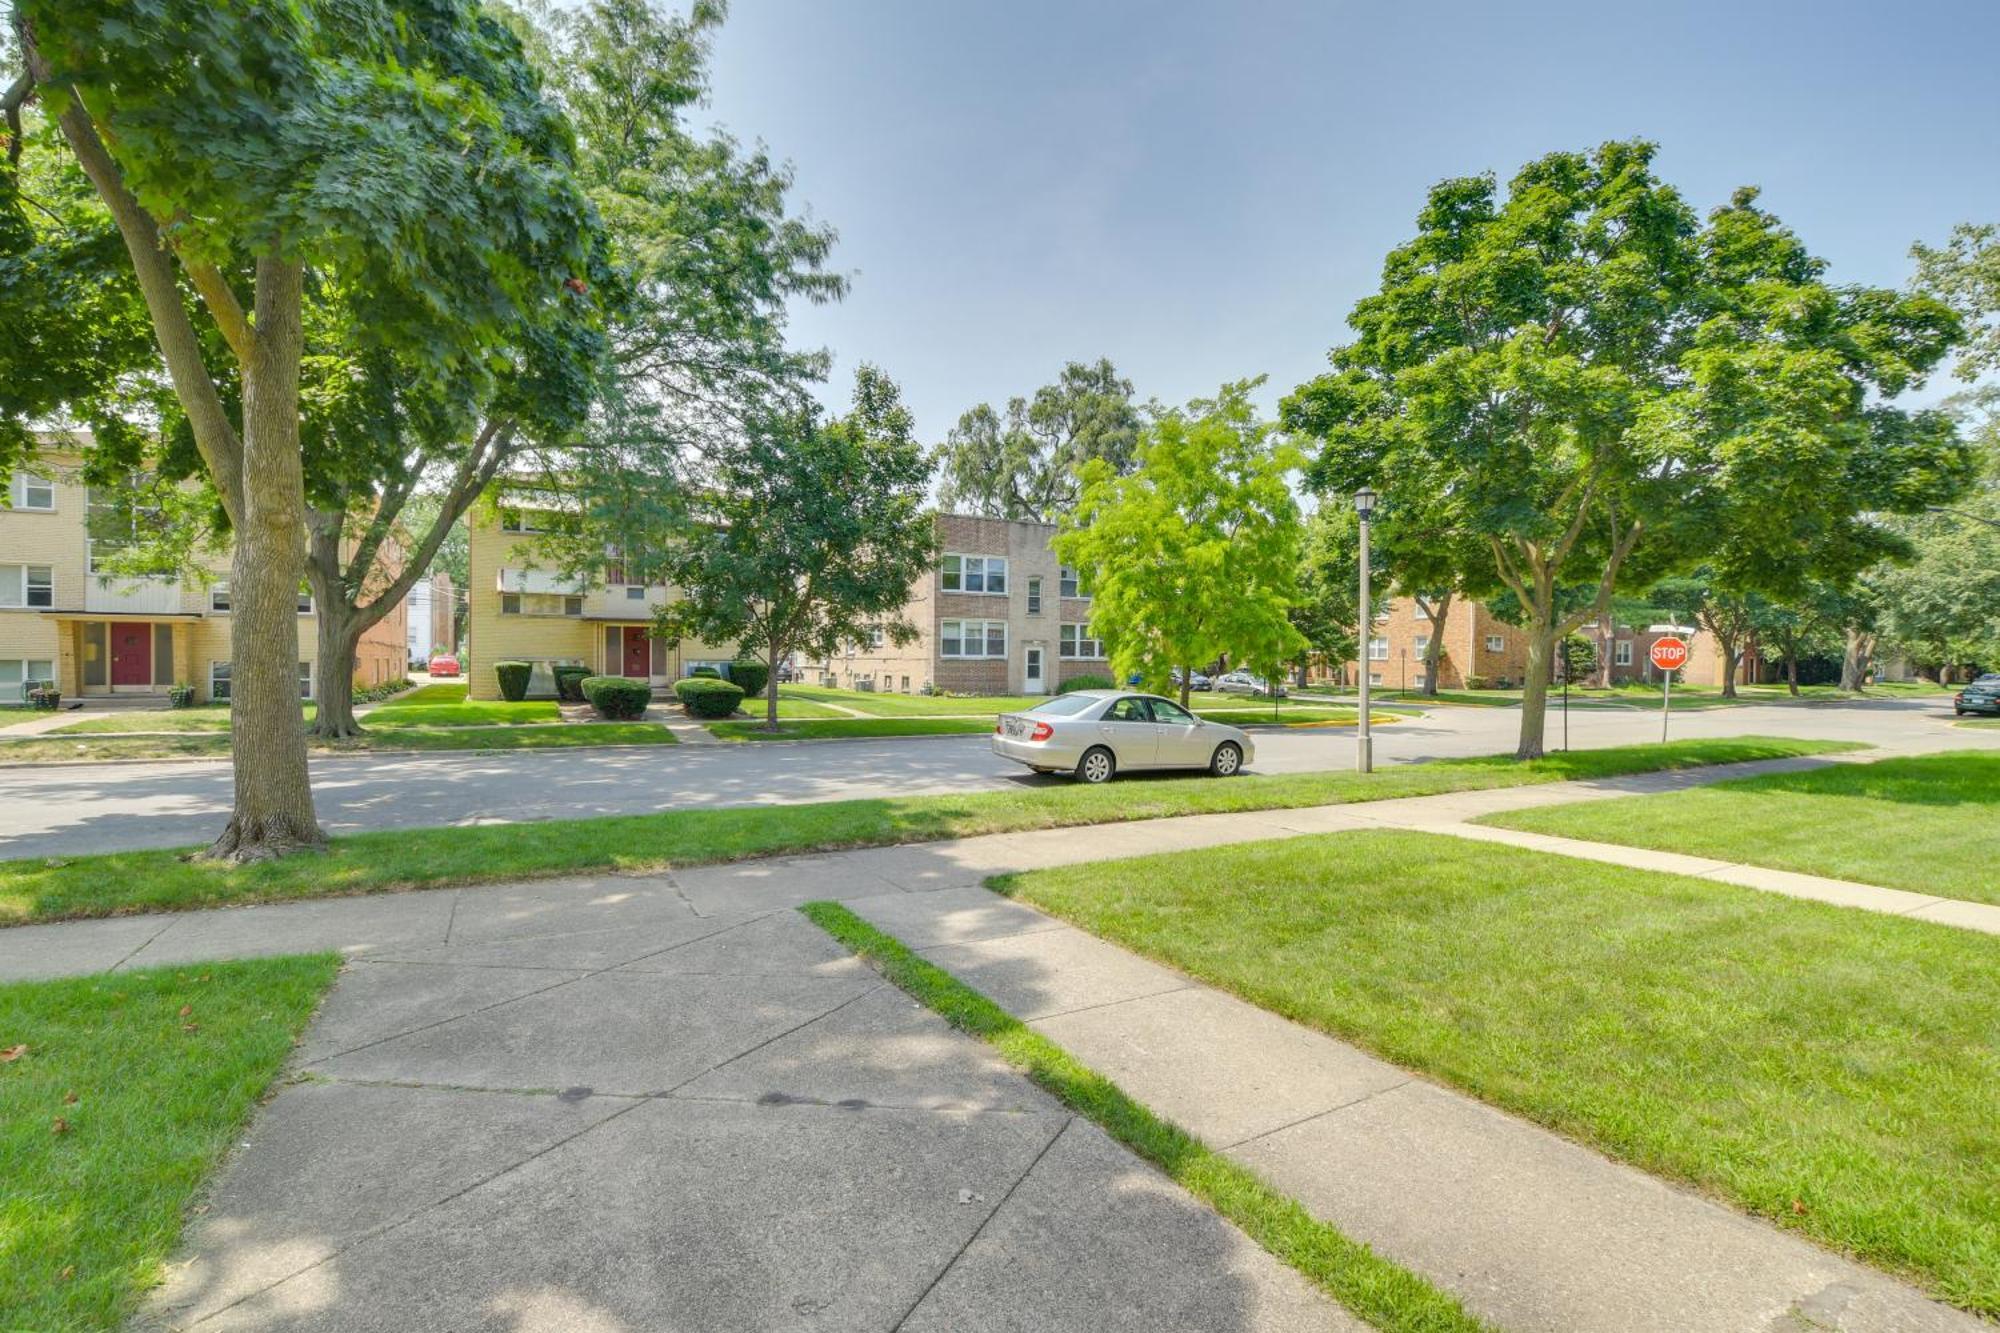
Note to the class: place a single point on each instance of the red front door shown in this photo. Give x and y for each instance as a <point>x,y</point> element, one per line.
<point>638,652</point>
<point>131,653</point>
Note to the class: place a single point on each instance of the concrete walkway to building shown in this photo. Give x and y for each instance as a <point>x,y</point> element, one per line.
<point>510,1082</point>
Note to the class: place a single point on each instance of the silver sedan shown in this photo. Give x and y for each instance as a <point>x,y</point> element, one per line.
<point>1096,733</point>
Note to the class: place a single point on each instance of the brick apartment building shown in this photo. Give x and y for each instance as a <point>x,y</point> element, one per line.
<point>1482,651</point>
<point>65,617</point>
<point>1000,614</point>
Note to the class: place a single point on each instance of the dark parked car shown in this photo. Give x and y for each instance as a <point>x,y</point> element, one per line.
<point>1981,696</point>
<point>1197,682</point>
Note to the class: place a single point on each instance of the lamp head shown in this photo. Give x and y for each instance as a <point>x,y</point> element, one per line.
<point>1364,501</point>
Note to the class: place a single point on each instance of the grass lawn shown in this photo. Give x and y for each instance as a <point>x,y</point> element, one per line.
<point>1294,716</point>
<point>851,728</point>
<point>788,708</point>
<point>911,705</point>
<point>202,717</point>
<point>42,750</point>
<point>448,707</point>
<point>1929,823</point>
<point>129,1092</point>
<point>1832,1071</point>
<point>1376,695</point>
<point>37,889</point>
<point>1383,1293</point>
<point>406,712</point>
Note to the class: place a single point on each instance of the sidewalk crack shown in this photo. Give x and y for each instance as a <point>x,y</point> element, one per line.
<point>984,1222</point>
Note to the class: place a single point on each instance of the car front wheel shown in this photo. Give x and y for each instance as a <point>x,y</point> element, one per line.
<point>1096,766</point>
<point>1227,760</point>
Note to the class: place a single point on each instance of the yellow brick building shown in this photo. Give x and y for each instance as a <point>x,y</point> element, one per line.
<point>102,635</point>
<point>516,612</point>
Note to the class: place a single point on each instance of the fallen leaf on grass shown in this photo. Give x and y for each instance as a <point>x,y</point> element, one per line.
<point>69,1099</point>
<point>1799,1207</point>
<point>13,1053</point>
<point>186,1009</point>
<point>61,1126</point>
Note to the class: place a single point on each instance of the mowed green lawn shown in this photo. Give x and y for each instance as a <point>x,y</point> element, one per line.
<point>439,705</point>
<point>1929,823</point>
<point>910,705</point>
<point>851,728</point>
<point>53,888</point>
<point>126,1090</point>
<point>201,718</point>
<point>1835,1072</point>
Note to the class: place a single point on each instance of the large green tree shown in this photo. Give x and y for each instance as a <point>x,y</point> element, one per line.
<point>1583,379</point>
<point>702,259</point>
<point>1964,272</point>
<point>254,152</point>
<point>1196,554</point>
<point>1024,464</point>
<point>810,536</point>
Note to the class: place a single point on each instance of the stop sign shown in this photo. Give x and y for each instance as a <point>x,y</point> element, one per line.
<point>1669,654</point>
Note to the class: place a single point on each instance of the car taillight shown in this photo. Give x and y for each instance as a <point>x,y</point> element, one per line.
<point>999,728</point>
<point>1041,732</point>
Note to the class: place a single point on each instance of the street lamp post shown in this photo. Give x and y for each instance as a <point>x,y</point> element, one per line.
<point>1364,744</point>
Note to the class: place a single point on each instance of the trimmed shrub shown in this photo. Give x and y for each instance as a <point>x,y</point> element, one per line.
<point>706,697</point>
<point>513,679</point>
<point>706,673</point>
<point>180,695</point>
<point>616,697</point>
<point>1086,682</point>
<point>751,674</point>
<point>569,682</point>
<point>46,698</point>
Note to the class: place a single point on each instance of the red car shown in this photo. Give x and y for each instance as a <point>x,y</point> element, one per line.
<point>444,664</point>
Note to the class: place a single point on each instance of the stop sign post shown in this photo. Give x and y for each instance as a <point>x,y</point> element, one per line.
<point>1669,655</point>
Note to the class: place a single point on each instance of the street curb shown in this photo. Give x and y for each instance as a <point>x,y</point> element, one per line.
<point>335,754</point>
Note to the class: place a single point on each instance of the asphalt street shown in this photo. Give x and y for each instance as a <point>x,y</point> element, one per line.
<point>53,810</point>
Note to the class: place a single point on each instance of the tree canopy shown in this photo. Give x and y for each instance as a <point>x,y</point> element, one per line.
<point>811,535</point>
<point>1194,555</point>
<point>1024,465</point>
<point>1583,379</point>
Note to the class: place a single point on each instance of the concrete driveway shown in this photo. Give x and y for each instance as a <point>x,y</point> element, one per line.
<point>70,809</point>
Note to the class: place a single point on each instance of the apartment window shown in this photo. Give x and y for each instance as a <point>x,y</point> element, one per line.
<point>1378,649</point>
<point>218,597</point>
<point>974,573</point>
<point>1034,597</point>
<point>1072,583</point>
<point>305,601</point>
<point>1076,642</point>
<point>972,638</point>
<point>1374,678</point>
<point>906,684</point>
<point>572,606</point>
<point>115,519</point>
<point>218,681</point>
<point>16,672</point>
<point>305,680</point>
<point>635,592</point>
<point>1418,611</point>
<point>510,603</point>
<point>1621,653</point>
<point>875,636</point>
<point>1420,645</point>
<point>520,520</point>
<point>27,585</point>
<point>28,491</point>
<point>1496,643</point>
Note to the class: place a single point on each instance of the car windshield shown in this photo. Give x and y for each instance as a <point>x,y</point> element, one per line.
<point>1064,705</point>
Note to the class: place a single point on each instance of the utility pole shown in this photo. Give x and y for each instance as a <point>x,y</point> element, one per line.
<point>1364,744</point>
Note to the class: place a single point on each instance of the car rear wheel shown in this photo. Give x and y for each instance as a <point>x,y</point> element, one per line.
<point>1227,761</point>
<point>1096,766</point>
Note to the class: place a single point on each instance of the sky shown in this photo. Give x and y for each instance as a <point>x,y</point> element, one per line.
<point>1201,191</point>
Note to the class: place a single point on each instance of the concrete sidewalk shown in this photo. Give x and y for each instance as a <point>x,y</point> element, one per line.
<point>527,1121</point>
<point>1530,1230</point>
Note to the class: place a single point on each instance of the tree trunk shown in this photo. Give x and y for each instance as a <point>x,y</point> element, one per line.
<point>1187,684</point>
<point>1731,653</point>
<point>1434,649</point>
<point>771,687</point>
<point>1792,669</point>
<point>1854,660</point>
<point>274,805</point>
<point>1535,688</point>
<point>338,643</point>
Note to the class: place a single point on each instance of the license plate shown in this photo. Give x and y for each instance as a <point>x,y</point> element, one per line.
<point>1016,728</point>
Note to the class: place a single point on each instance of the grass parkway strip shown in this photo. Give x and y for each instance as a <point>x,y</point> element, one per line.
<point>60,888</point>
<point>1929,823</point>
<point>118,1095</point>
<point>1383,1293</point>
<point>1829,1070</point>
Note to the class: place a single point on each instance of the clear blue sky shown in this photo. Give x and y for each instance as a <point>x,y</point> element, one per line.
<point>1201,191</point>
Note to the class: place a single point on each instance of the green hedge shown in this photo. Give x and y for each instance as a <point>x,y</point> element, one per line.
<point>617,697</point>
<point>1086,682</point>
<point>704,696</point>
<point>513,679</point>
<point>569,682</point>
<point>751,674</point>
